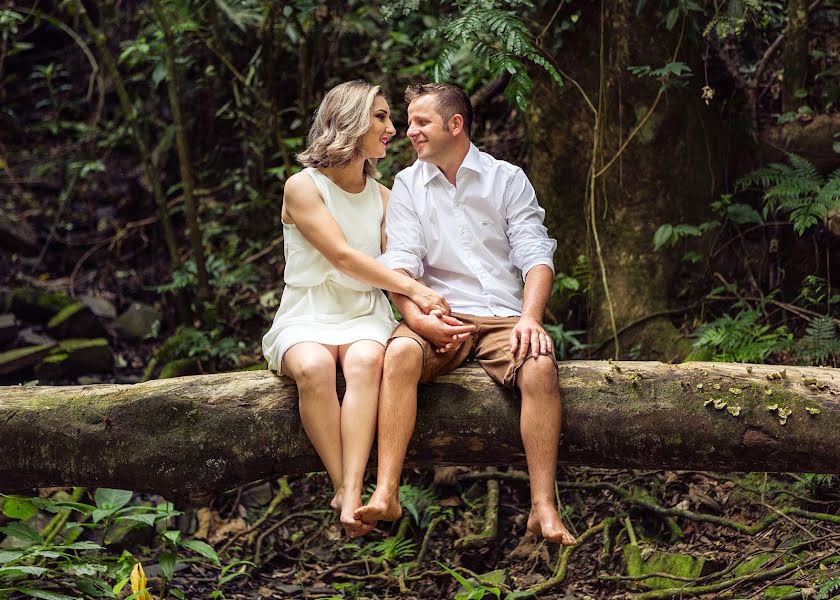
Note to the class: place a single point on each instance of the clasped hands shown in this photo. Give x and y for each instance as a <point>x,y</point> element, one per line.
<point>446,333</point>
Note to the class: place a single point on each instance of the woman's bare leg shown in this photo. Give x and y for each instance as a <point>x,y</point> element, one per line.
<point>361,363</point>
<point>312,366</point>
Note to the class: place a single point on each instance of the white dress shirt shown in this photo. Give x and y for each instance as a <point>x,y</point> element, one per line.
<point>474,242</point>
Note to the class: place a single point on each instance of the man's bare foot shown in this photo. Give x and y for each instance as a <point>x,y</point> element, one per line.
<point>545,521</point>
<point>382,506</point>
<point>353,527</point>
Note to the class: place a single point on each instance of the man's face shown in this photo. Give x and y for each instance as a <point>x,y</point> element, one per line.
<point>425,129</point>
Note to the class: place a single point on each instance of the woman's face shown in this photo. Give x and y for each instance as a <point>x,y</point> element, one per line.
<point>375,141</point>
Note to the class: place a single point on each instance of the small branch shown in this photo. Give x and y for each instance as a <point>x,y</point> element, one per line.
<point>491,521</point>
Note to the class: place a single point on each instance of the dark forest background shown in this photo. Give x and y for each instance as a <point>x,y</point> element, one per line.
<point>688,157</point>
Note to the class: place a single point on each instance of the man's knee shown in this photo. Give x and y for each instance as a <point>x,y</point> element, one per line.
<point>537,374</point>
<point>403,358</point>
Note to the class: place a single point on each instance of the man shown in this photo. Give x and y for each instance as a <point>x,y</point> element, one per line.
<point>470,226</point>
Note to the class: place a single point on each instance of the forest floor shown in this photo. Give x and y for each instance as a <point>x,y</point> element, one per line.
<point>719,536</point>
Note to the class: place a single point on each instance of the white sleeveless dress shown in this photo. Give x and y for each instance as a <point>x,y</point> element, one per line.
<point>320,303</point>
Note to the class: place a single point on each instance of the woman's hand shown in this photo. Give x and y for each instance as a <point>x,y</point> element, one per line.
<point>429,300</point>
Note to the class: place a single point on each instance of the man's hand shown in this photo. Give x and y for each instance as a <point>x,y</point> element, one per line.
<point>529,337</point>
<point>444,332</point>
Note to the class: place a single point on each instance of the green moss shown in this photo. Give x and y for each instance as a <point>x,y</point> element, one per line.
<point>178,368</point>
<point>779,591</point>
<point>48,301</point>
<point>752,565</point>
<point>680,565</point>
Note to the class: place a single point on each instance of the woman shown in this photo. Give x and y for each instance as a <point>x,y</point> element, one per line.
<point>333,310</point>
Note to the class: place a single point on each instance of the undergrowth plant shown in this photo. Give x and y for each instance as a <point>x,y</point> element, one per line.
<point>739,338</point>
<point>44,557</point>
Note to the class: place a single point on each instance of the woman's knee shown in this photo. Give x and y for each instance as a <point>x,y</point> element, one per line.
<point>364,362</point>
<point>311,369</point>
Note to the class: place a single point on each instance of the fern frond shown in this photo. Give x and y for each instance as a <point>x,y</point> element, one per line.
<point>829,589</point>
<point>820,343</point>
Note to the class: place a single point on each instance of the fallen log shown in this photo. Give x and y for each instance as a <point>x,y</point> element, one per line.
<point>190,437</point>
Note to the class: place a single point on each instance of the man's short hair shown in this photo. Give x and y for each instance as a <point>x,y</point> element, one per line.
<point>451,101</point>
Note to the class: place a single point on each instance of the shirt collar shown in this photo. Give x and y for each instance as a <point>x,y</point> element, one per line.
<point>472,161</point>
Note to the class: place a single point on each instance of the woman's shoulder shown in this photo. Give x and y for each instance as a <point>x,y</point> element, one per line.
<point>301,186</point>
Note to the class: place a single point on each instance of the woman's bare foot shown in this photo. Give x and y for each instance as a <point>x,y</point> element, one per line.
<point>382,506</point>
<point>337,501</point>
<point>353,527</point>
<point>545,521</point>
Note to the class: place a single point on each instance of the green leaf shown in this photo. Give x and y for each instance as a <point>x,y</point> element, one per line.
<point>23,570</point>
<point>82,546</point>
<point>109,499</point>
<point>173,535</point>
<point>177,593</point>
<point>16,507</point>
<point>44,595</point>
<point>10,555</point>
<point>158,74</point>
<point>743,214</point>
<point>22,531</point>
<point>662,236</point>
<point>203,549</point>
<point>148,519</point>
<point>167,565</point>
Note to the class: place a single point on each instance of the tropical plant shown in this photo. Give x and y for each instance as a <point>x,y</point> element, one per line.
<point>739,338</point>
<point>796,190</point>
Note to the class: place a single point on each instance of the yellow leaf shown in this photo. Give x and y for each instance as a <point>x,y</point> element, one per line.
<point>2,163</point>
<point>138,583</point>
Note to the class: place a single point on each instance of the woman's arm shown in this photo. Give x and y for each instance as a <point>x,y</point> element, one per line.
<point>305,208</point>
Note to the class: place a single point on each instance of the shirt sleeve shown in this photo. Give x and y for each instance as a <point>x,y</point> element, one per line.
<point>406,245</point>
<point>529,241</point>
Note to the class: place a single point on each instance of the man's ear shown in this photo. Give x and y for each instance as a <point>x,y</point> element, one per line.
<point>456,124</point>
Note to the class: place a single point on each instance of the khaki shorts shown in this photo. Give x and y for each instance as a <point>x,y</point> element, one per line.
<point>489,346</point>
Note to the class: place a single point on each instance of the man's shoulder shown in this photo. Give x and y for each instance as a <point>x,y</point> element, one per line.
<point>410,172</point>
<point>491,164</point>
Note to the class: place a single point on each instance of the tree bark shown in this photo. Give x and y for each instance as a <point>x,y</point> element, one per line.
<point>642,189</point>
<point>189,437</point>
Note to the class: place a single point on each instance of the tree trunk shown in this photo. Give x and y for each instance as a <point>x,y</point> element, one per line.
<point>795,54</point>
<point>192,436</point>
<point>174,85</point>
<point>668,173</point>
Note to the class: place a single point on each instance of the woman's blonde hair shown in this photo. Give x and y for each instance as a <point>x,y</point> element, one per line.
<point>341,120</point>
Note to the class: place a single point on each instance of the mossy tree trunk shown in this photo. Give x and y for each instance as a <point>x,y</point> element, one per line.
<point>795,54</point>
<point>668,173</point>
<point>192,436</point>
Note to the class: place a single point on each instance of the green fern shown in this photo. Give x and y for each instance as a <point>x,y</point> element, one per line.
<point>820,344</point>
<point>390,549</point>
<point>421,503</point>
<point>796,189</point>
<point>738,339</point>
<point>483,32</point>
<point>829,589</point>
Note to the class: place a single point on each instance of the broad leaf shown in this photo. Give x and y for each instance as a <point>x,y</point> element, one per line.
<point>203,549</point>
<point>22,531</point>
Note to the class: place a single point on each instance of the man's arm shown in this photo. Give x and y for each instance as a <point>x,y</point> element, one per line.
<point>532,252</point>
<point>443,331</point>
<point>529,335</point>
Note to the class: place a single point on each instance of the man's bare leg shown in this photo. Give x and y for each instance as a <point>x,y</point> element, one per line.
<point>312,366</point>
<point>361,363</point>
<point>539,425</point>
<point>397,415</point>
